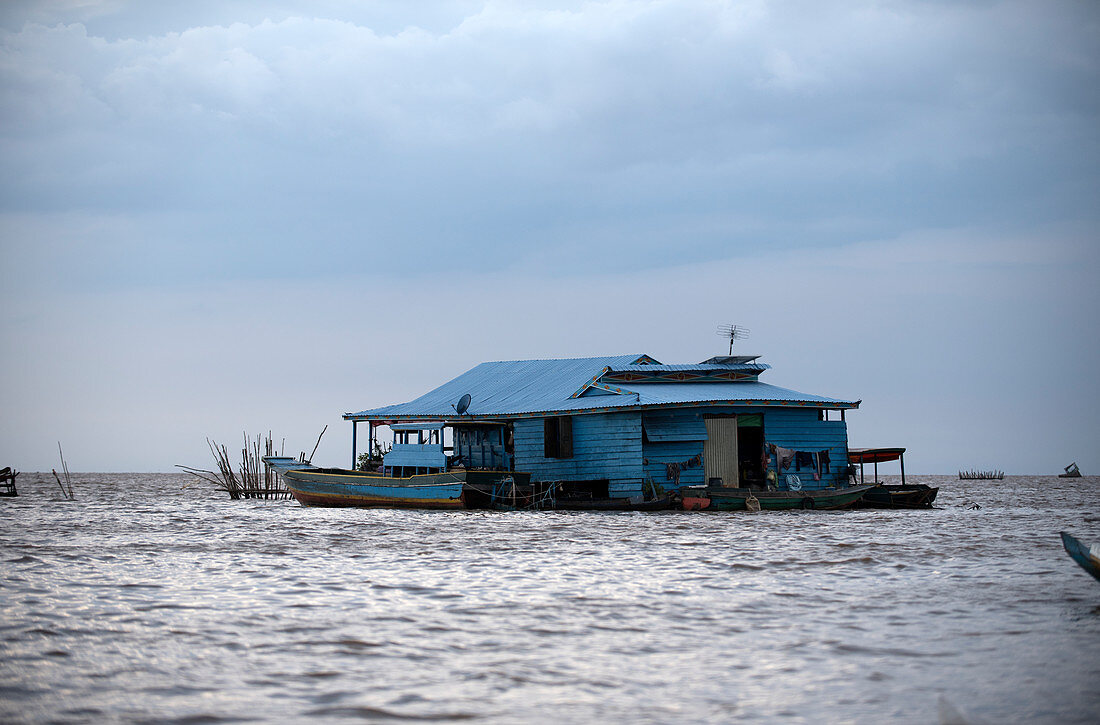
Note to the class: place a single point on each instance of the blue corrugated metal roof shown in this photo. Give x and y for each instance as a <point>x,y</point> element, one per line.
<point>512,386</point>
<point>518,387</point>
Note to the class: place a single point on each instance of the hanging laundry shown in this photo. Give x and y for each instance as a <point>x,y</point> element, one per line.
<point>803,458</point>
<point>784,457</point>
<point>816,465</point>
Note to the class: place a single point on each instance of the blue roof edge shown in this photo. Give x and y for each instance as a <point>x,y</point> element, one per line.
<point>378,414</point>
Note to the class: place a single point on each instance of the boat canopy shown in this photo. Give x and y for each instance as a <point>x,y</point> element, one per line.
<point>874,455</point>
<point>426,425</point>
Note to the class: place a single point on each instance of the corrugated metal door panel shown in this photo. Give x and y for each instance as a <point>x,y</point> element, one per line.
<point>720,451</point>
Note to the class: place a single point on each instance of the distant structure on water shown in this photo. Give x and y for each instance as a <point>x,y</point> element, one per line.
<point>981,475</point>
<point>1071,471</point>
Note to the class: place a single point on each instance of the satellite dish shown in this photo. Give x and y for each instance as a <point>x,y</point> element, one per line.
<point>463,404</point>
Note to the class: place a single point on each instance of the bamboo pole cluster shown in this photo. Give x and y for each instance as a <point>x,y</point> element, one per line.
<point>252,479</point>
<point>67,486</point>
<point>982,475</point>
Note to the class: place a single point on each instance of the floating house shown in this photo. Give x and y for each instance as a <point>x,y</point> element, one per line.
<point>615,427</point>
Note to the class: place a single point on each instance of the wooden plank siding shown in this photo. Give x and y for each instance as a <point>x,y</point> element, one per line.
<point>605,446</point>
<point>658,454</point>
<point>802,431</point>
<point>610,446</point>
<point>795,428</point>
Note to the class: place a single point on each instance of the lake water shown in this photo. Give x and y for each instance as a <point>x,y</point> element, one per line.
<point>152,598</point>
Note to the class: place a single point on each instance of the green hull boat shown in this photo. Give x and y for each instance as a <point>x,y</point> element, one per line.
<point>705,498</point>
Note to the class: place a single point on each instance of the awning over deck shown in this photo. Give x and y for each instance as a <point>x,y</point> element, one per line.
<point>874,455</point>
<point>426,425</point>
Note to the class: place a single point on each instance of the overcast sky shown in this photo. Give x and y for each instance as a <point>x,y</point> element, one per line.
<point>219,217</point>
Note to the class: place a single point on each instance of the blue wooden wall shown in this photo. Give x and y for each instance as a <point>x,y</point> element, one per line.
<point>609,446</point>
<point>658,455</point>
<point>799,429</point>
<point>605,446</point>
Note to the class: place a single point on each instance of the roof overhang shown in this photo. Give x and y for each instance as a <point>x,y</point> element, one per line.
<point>595,410</point>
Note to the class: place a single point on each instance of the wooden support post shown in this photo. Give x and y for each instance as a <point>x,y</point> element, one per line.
<point>354,442</point>
<point>901,457</point>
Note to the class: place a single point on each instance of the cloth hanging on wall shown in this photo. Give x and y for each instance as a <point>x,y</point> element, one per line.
<point>803,458</point>
<point>784,457</point>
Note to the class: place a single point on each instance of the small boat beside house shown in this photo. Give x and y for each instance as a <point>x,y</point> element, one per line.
<point>623,432</point>
<point>890,495</point>
<point>718,498</point>
<point>313,486</point>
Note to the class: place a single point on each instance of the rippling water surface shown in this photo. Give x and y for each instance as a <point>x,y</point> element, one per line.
<point>152,599</point>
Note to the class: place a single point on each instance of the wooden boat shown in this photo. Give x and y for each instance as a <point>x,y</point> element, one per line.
<point>899,496</point>
<point>313,486</point>
<point>1071,471</point>
<point>890,496</point>
<point>7,481</point>
<point>1087,557</point>
<point>548,496</point>
<point>717,498</point>
<point>634,503</point>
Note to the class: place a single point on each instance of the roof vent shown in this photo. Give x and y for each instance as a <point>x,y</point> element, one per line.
<point>730,360</point>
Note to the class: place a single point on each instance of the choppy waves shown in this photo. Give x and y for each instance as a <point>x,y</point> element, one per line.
<point>147,600</point>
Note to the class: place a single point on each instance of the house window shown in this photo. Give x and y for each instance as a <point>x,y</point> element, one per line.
<point>557,437</point>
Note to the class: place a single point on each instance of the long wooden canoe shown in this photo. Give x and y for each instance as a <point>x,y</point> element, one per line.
<point>712,498</point>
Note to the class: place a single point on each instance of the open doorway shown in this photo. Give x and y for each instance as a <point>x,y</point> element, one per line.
<point>750,450</point>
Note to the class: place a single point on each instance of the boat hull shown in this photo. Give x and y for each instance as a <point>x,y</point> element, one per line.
<point>1082,555</point>
<point>660,503</point>
<point>896,496</point>
<point>734,499</point>
<point>352,489</point>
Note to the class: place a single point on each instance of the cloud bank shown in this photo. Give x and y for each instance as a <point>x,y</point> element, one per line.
<point>202,202</point>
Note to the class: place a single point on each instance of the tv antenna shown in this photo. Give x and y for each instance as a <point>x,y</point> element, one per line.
<point>733,332</point>
<point>463,404</point>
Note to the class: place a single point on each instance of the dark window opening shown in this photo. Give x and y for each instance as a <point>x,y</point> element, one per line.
<point>557,437</point>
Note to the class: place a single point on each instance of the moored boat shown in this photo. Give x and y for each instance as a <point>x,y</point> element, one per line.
<point>889,495</point>
<point>634,503</point>
<point>1088,558</point>
<point>716,498</point>
<point>899,496</point>
<point>454,489</point>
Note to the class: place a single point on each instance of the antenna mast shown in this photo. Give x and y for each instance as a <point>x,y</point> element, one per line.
<point>733,332</point>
